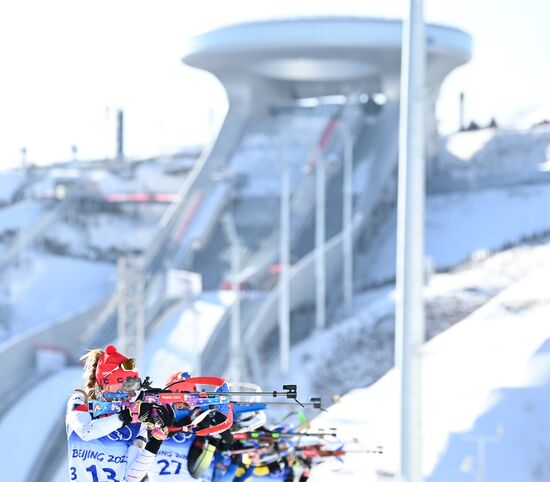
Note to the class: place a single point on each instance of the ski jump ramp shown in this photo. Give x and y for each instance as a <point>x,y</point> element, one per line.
<point>269,63</point>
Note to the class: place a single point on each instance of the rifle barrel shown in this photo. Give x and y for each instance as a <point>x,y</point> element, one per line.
<point>305,404</point>
<point>273,393</point>
<point>276,435</point>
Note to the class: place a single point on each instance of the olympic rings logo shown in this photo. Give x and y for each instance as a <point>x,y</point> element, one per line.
<point>122,434</point>
<point>182,437</point>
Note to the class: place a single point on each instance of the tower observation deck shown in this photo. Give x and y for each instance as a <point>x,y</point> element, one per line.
<point>307,57</point>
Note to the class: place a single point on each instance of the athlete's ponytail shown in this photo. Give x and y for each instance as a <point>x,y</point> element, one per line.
<point>91,360</point>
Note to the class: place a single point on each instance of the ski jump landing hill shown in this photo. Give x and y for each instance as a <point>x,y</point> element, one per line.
<point>278,62</point>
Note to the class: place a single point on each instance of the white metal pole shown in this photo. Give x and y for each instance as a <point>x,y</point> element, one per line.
<point>347,218</point>
<point>19,237</point>
<point>24,164</point>
<point>131,314</point>
<point>236,347</point>
<point>122,280</point>
<point>107,133</point>
<point>235,362</point>
<point>190,305</point>
<point>320,273</point>
<point>284,278</point>
<point>140,308</point>
<point>236,310</point>
<point>409,333</point>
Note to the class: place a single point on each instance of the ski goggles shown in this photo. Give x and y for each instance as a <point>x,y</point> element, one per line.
<point>122,390</point>
<point>128,365</point>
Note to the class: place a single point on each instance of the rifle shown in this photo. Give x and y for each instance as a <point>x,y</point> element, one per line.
<point>186,401</point>
<point>191,400</point>
<point>178,401</point>
<point>276,436</point>
<point>313,451</point>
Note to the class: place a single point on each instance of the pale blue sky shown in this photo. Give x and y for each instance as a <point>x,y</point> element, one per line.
<point>65,61</point>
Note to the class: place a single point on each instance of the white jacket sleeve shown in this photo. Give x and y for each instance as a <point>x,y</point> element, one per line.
<point>79,420</point>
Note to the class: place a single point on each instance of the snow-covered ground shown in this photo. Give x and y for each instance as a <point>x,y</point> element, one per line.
<point>461,224</point>
<point>489,157</point>
<point>17,217</point>
<point>31,421</point>
<point>487,366</point>
<point>10,183</point>
<point>501,149</point>
<point>72,264</point>
<point>486,378</point>
<point>130,178</point>
<point>105,236</point>
<point>487,317</point>
<point>44,289</point>
<point>449,298</point>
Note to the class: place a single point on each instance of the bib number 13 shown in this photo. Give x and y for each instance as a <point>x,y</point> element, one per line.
<point>111,474</point>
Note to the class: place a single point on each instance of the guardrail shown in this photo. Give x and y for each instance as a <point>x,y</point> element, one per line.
<point>18,355</point>
<point>383,161</point>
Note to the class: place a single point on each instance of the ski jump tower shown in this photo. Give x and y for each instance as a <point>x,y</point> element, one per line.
<point>261,63</point>
<point>269,63</point>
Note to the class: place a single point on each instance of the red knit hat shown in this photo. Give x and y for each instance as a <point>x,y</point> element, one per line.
<point>112,369</point>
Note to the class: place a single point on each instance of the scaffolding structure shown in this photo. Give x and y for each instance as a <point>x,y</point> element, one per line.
<point>131,309</point>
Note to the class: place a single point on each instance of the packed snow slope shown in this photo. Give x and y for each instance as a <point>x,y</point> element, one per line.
<point>487,378</point>
<point>43,289</point>
<point>487,362</point>
<point>459,224</point>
